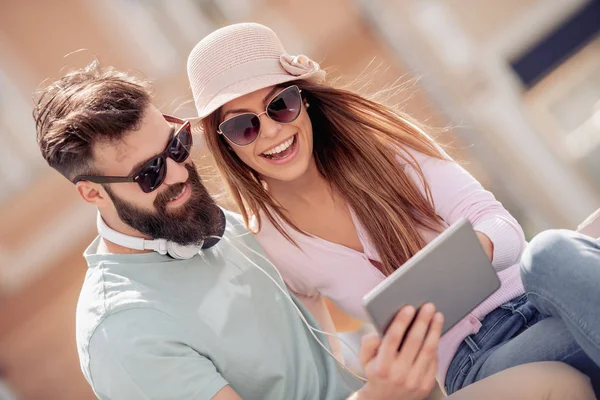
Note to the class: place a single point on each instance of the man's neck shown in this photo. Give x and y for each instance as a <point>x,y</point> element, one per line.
<point>107,247</point>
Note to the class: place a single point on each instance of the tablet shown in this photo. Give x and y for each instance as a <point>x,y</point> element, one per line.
<point>452,271</point>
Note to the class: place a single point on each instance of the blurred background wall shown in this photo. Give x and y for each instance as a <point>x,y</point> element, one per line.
<point>518,82</point>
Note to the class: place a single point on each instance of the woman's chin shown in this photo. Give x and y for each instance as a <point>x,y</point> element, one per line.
<point>285,173</point>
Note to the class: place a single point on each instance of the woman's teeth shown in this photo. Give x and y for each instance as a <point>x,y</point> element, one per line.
<point>282,147</point>
<point>177,195</point>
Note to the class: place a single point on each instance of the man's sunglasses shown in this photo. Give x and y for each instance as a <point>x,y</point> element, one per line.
<point>152,174</point>
<point>243,129</point>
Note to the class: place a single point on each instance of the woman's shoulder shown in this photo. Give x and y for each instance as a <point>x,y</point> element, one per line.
<point>265,231</point>
<point>252,223</point>
<point>259,223</point>
<point>291,260</point>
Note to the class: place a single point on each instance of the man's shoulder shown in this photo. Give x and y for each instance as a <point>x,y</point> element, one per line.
<point>123,332</point>
<point>234,221</point>
<point>237,229</point>
<point>105,293</point>
<point>122,324</point>
<point>116,306</point>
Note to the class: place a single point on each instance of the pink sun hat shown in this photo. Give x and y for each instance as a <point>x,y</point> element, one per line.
<point>240,59</point>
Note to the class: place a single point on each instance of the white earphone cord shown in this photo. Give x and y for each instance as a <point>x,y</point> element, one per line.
<point>311,329</point>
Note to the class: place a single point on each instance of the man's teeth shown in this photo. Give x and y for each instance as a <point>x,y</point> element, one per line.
<point>177,195</point>
<point>283,146</point>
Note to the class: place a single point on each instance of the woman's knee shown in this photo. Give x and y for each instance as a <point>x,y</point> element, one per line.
<point>549,256</point>
<point>540,380</point>
<point>560,380</point>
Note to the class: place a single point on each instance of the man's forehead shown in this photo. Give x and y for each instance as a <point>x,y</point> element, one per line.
<point>135,146</point>
<point>115,151</point>
<point>122,150</point>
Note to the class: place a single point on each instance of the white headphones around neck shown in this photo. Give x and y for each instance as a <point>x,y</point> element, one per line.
<point>162,246</point>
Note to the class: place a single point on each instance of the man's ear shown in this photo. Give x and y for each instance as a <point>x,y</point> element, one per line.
<point>92,193</point>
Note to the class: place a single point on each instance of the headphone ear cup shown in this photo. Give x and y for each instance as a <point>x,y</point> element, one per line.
<point>180,252</point>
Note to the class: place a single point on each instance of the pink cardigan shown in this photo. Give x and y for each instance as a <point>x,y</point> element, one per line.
<point>322,268</point>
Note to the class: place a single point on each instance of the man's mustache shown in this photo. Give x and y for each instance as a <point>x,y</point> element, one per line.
<point>173,190</point>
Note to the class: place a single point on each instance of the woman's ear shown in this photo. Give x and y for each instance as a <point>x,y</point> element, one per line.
<point>305,99</point>
<point>305,102</point>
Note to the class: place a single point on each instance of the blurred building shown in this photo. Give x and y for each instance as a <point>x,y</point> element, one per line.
<point>521,78</point>
<point>517,80</point>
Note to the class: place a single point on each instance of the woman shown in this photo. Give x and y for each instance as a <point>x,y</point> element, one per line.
<point>341,191</point>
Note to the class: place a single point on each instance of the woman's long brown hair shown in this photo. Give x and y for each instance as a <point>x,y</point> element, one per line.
<point>355,145</point>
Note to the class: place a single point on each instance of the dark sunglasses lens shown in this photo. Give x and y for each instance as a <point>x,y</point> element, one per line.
<point>285,107</point>
<point>242,129</point>
<point>152,175</point>
<point>179,149</point>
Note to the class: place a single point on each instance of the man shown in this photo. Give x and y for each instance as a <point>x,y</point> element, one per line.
<point>217,325</point>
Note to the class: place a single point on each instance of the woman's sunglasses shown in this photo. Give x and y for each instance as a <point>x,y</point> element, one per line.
<point>244,129</point>
<point>152,174</point>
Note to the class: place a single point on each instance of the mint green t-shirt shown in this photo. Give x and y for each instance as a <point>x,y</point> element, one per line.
<point>151,327</point>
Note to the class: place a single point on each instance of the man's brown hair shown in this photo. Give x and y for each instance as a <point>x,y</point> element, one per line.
<point>83,108</point>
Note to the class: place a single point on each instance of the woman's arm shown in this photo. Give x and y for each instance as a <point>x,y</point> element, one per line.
<point>456,194</point>
<point>487,244</point>
<point>342,321</point>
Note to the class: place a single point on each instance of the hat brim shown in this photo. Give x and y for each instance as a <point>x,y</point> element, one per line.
<point>246,86</point>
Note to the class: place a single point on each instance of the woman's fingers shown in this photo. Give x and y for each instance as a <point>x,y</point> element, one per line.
<point>388,350</point>
<point>410,373</point>
<point>368,348</point>
<point>423,370</point>
<point>416,335</point>
<point>429,380</point>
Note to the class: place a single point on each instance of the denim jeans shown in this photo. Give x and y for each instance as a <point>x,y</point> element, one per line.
<point>557,319</point>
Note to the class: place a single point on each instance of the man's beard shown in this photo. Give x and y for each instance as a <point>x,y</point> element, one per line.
<point>192,223</point>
